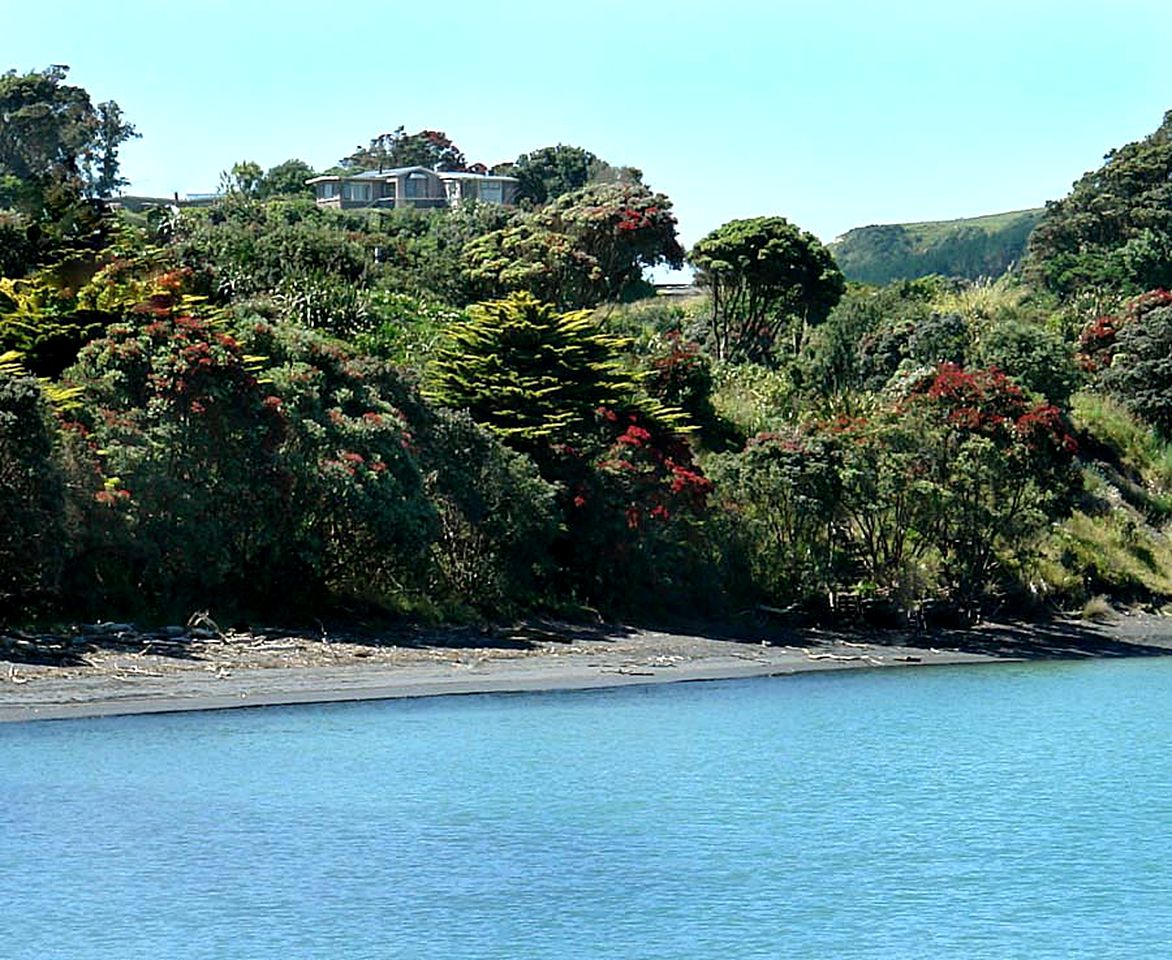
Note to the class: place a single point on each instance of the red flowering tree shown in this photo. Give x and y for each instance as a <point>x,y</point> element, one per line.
<point>182,442</point>
<point>634,500</point>
<point>1000,466</point>
<point>580,250</point>
<point>359,522</point>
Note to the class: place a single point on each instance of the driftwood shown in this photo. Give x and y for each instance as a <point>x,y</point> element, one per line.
<point>20,647</point>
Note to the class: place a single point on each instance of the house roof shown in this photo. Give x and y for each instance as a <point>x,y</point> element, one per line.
<point>389,174</point>
<point>394,172</point>
<point>466,175</point>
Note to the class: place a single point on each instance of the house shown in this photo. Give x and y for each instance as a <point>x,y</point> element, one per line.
<point>412,186</point>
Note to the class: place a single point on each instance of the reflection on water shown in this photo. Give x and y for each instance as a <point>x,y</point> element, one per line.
<point>980,812</point>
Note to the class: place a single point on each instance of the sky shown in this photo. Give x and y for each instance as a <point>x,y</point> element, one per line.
<point>831,115</point>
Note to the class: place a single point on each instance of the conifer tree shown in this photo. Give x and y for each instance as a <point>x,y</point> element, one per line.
<point>530,373</point>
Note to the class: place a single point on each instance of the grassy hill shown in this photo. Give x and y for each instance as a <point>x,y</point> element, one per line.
<point>975,247</point>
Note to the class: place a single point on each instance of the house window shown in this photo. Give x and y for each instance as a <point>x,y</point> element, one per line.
<point>416,185</point>
<point>492,191</point>
<point>356,191</point>
<point>327,191</point>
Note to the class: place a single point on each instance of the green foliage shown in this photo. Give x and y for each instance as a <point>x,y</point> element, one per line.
<point>427,148</point>
<point>530,373</point>
<point>1114,229</point>
<point>679,375</point>
<point>1036,358</point>
<point>359,523</point>
<point>406,330</point>
<point>498,518</point>
<point>865,337</point>
<point>767,278</point>
<point>183,502</point>
<point>782,497</point>
<point>245,248</point>
<point>972,248</point>
<point>550,172</point>
<point>943,492</point>
<point>18,252</point>
<point>1003,468</point>
<point>244,178</point>
<point>582,249</point>
<point>755,399</point>
<point>287,180</point>
<point>325,301</point>
<point>1125,440</point>
<point>634,506</point>
<point>41,323</point>
<point>1139,373</point>
<point>56,147</point>
<point>33,536</point>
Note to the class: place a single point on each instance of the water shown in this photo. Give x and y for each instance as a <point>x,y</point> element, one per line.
<point>977,812</point>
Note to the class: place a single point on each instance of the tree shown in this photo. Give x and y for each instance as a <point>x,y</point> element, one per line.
<point>245,177</point>
<point>766,278</point>
<point>112,132</point>
<point>550,172</point>
<point>1037,358</point>
<point>529,373</point>
<point>55,146</point>
<point>1001,466</point>
<point>1114,229</point>
<point>32,496</point>
<point>427,148</point>
<point>1139,372</point>
<point>580,250</point>
<point>287,180</point>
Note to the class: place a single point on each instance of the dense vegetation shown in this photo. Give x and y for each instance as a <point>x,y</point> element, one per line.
<point>274,409</point>
<point>975,248</point>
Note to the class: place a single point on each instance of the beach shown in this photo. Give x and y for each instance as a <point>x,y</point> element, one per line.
<point>128,672</point>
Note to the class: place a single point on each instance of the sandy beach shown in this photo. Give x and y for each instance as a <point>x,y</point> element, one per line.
<point>124,671</point>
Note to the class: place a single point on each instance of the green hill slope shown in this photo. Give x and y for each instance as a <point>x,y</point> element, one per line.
<point>977,247</point>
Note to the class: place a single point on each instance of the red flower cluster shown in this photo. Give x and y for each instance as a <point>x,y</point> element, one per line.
<point>1096,343</point>
<point>987,402</point>
<point>662,477</point>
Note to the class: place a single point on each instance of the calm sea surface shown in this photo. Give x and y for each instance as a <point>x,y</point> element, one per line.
<point>976,812</point>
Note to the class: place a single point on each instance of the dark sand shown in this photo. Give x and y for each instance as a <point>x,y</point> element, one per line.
<point>133,674</point>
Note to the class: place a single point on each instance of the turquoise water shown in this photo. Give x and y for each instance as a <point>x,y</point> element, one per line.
<point>978,812</point>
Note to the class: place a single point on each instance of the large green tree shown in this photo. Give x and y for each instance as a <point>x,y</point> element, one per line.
<point>548,173</point>
<point>427,148</point>
<point>287,180</point>
<point>56,147</point>
<point>1114,229</point>
<point>767,278</point>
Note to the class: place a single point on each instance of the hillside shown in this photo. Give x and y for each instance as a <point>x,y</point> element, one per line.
<point>972,248</point>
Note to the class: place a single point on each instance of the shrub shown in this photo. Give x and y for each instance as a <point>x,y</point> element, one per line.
<point>634,502</point>
<point>187,507</point>
<point>33,537</point>
<point>498,518</point>
<point>1139,372</point>
<point>782,497</point>
<point>358,521</point>
<point>1034,357</point>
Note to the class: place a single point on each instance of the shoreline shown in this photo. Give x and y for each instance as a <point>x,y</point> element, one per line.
<point>309,685</point>
<point>133,677</point>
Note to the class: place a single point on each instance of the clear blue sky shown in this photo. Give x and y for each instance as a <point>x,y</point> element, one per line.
<point>833,115</point>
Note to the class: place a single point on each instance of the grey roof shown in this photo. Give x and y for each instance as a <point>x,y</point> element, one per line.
<point>392,172</point>
<point>385,174</point>
<point>467,175</point>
